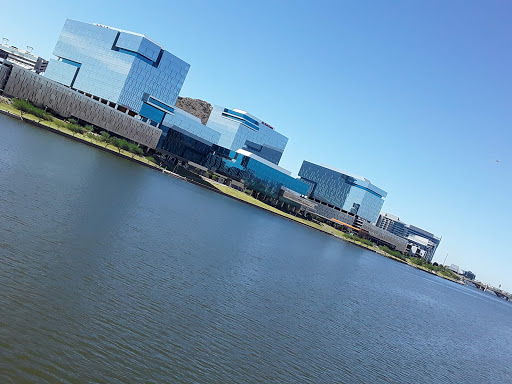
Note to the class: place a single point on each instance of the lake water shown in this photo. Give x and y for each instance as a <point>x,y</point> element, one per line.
<point>114,273</point>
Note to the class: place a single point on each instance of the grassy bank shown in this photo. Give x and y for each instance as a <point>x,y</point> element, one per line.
<point>63,127</point>
<point>70,129</point>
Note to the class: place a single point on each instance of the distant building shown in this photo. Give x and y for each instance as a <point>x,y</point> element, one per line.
<point>470,275</point>
<point>342,191</point>
<point>421,243</point>
<point>241,130</point>
<point>391,224</point>
<point>23,58</point>
<point>455,268</point>
<point>116,65</point>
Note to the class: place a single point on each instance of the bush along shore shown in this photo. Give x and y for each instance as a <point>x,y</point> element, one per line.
<point>27,112</point>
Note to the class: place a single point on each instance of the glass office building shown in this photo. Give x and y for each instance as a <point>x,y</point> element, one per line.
<point>241,130</point>
<point>185,136</point>
<point>258,174</point>
<point>342,190</point>
<point>116,65</point>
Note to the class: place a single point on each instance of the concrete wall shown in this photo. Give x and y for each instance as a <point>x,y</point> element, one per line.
<point>41,91</point>
<point>331,213</point>
<point>398,242</point>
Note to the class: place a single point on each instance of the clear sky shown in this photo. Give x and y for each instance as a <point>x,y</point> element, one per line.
<point>415,96</point>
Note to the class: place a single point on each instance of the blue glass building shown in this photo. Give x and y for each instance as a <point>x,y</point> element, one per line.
<point>241,130</point>
<point>343,191</point>
<point>116,65</point>
<point>185,136</point>
<point>258,174</point>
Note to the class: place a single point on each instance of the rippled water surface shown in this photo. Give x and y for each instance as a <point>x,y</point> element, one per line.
<point>114,273</point>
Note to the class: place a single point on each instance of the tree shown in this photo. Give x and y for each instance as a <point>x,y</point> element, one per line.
<point>105,137</point>
<point>139,151</point>
<point>75,128</point>
<point>135,150</point>
<point>123,144</point>
<point>115,142</point>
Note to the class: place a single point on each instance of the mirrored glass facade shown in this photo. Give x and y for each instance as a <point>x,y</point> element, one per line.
<point>240,130</point>
<point>259,174</point>
<point>115,65</point>
<point>342,190</point>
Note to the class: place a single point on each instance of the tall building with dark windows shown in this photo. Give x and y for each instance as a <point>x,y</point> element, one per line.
<point>116,65</point>
<point>241,130</point>
<point>343,191</point>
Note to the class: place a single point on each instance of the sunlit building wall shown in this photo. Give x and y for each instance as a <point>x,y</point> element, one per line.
<point>115,65</point>
<point>241,130</point>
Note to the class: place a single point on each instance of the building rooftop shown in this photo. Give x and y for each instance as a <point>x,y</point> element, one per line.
<point>130,32</point>
<point>418,239</point>
<point>358,180</point>
<point>345,173</point>
<point>390,216</point>
<point>20,52</point>
<point>263,161</point>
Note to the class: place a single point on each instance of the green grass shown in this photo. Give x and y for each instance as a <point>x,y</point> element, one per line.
<point>243,196</point>
<point>393,253</point>
<point>320,226</point>
<point>62,126</point>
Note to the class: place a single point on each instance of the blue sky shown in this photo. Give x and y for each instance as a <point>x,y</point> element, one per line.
<point>415,96</point>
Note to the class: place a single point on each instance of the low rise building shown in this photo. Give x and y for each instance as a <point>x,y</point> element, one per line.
<point>470,275</point>
<point>23,58</point>
<point>420,242</point>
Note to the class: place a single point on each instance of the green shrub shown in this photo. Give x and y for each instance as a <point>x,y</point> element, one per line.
<point>104,136</point>
<point>75,128</point>
<point>136,150</point>
<point>392,252</point>
<point>60,123</point>
<point>22,105</point>
<point>150,158</point>
<point>358,239</point>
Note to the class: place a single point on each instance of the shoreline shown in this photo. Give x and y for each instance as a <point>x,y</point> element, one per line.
<point>214,187</point>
